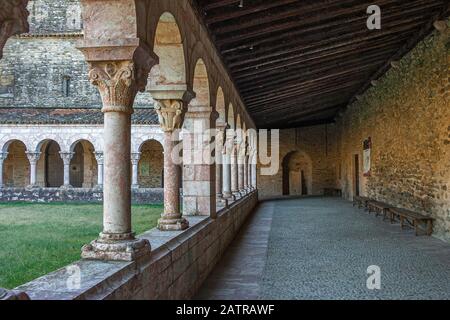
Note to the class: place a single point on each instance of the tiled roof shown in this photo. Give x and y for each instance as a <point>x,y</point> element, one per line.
<point>68,116</point>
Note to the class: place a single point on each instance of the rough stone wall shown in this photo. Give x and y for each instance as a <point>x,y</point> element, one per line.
<point>43,68</point>
<point>319,144</point>
<point>48,195</point>
<point>407,115</point>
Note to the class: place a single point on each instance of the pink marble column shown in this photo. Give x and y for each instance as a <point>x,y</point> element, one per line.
<point>171,117</point>
<point>220,137</point>
<point>234,172</point>
<point>118,82</point>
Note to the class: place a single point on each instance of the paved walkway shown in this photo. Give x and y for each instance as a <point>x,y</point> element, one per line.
<point>320,248</point>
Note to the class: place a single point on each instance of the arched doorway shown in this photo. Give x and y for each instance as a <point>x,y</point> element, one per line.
<point>83,166</point>
<point>51,164</point>
<point>16,167</point>
<point>297,174</point>
<point>151,165</point>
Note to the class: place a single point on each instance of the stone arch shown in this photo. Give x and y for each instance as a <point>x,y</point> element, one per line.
<point>200,85</point>
<point>50,166</point>
<point>170,73</point>
<point>297,174</point>
<point>230,117</point>
<point>151,164</point>
<point>83,166</point>
<point>16,167</point>
<point>220,105</point>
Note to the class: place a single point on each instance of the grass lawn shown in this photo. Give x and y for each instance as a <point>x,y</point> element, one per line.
<point>36,239</point>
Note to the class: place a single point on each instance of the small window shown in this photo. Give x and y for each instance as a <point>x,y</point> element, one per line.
<point>66,86</point>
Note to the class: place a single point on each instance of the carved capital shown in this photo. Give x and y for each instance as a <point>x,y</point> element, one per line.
<point>135,157</point>
<point>66,157</point>
<point>3,156</point>
<point>13,20</point>
<point>170,114</point>
<point>33,157</point>
<point>117,84</point>
<point>99,157</point>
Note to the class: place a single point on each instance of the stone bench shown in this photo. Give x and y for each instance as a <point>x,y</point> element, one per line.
<point>378,207</point>
<point>412,218</point>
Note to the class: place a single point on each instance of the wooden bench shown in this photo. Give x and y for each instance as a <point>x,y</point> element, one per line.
<point>361,202</point>
<point>379,208</point>
<point>412,218</point>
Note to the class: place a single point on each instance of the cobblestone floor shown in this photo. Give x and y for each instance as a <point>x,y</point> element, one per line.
<point>320,248</point>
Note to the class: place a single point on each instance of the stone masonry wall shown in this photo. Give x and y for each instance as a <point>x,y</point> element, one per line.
<point>319,144</point>
<point>48,195</point>
<point>407,115</point>
<point>44,68</point>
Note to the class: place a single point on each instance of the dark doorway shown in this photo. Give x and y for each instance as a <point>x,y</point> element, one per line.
<point>356,176</point>
<point>77,167</point>
<point>304,185</point>
<point>54,166</point>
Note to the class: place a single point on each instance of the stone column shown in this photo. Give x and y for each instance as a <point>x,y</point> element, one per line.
<point>241,164</point>
<point>33,157</point>
<point>220,137</point>
<point>118,73</point>
<point>199,176</point>
<point>66,158</point>
<point>246,172</point>
<point>99,158</point>
<point>3,156</point>
<point>254,170</point>
<point>135,157</point>
<point>226,153</point>
<point>234,171</point>
<point>171,116</point>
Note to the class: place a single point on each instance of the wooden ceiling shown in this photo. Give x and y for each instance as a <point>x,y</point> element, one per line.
<point>299,62</point>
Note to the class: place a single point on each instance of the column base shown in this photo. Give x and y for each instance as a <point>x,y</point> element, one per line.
<point>221,201</point>
<point>173,224</point>
<point>109,249</point>
<point>66,187</point>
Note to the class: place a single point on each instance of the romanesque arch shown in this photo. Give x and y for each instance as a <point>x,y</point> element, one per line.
<point>16,166</point>
<point>170,73</point>
<point>50,166</point>
<point>297,174</point>
<point>151,165</point>
<point>83,165</point>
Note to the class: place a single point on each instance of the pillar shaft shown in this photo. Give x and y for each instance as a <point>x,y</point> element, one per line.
<point>100,162</point>
<point>135,157</point>
<point>226,167</point>
<point>33,157</point>
<point>116,80</point>
<point>67,158</point>
<point>171,116</point>
<point>3,156</point>
<point>234,172</point>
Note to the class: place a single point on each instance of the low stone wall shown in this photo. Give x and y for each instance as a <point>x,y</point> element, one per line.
<point>45,195</point>
<point>177,267</point>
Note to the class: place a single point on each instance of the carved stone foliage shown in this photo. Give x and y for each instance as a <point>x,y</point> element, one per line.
<point>170,114</point>
<point>116,83</point>
<point>13,20</point>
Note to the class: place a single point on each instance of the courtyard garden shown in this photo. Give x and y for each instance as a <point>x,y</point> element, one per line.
<point>39,238</point>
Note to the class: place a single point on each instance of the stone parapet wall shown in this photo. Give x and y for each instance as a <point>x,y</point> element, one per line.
<point>46,195</point>
<point>178,265</point>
